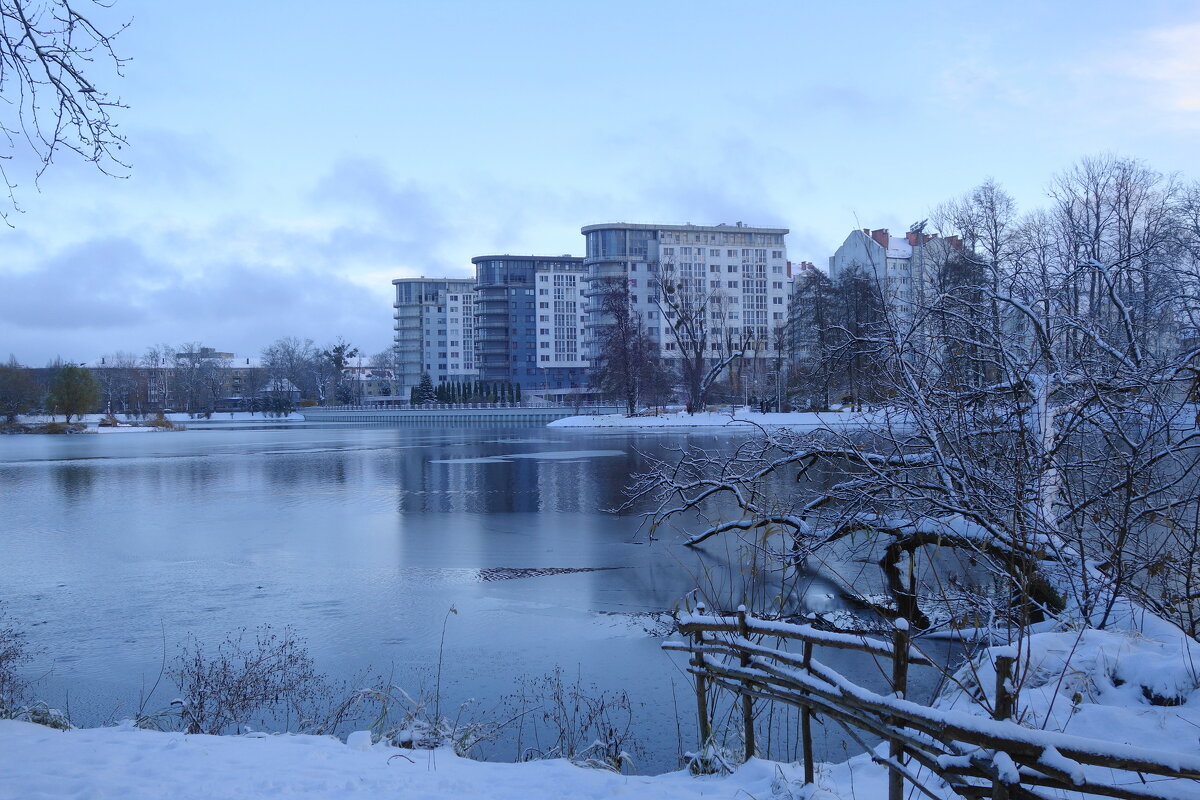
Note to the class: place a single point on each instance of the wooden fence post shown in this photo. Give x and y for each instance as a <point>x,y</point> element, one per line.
<point>1004,698</point>
<point>899,687</point>
<point>701,685</point>
<point>747,700</point>
<point>1002,709</point>
<point>806,725</point>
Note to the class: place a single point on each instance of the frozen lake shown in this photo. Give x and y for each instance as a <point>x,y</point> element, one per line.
<point>362,539</point>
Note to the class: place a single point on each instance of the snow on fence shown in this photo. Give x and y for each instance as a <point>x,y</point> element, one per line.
<point>974,756</point>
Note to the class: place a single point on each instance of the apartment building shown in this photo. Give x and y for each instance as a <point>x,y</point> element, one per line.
<point>529,318</point>
<point>739,273</point>
<point>904,265</point>
<point>434,331</point>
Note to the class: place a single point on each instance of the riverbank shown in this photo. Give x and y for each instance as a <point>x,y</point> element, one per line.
<point>95,423</point>
<point>131,764</point>
<point>741,419</point>
<point>1131,689</point>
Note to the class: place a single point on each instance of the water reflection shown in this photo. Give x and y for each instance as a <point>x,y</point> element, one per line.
<point>362,539</point>
<point>74,481</point>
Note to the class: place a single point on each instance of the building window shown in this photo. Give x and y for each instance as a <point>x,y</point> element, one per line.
<point>732,268</point>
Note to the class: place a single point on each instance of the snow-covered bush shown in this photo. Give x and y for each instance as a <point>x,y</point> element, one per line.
<point>395,717</point>
<point>264,672</point>
<point>14,652</point>
<point>582,724</point>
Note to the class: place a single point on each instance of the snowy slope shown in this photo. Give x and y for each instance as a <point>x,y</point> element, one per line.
<point>39,763</point>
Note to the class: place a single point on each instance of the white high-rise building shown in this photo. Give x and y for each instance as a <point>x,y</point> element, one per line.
<point>434,330</point>
<point>741,271</point>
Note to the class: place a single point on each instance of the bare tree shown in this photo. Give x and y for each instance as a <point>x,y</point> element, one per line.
<point>388,363</point>
<point>629,366</point>
<point>294,360</point>
<point>118,378</point>
<point>1067,477</point>
<point>50,53</point>
<point>157,363</point>
<point>706,331</point>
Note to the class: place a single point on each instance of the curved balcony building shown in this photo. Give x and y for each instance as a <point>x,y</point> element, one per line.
<point>434,330</point>
<point>739,272</point>
<point>528,321</point>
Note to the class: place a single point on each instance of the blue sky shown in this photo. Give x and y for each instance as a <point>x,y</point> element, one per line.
<point>290,159</point>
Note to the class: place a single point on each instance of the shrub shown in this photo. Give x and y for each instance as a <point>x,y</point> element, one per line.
<point>14,651</point>
<point>263,672</point>
<point>394,716</point>
<point>161,421</point>
<point>582,724</point>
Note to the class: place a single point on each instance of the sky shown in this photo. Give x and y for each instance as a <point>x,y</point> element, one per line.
<point>289,159</point>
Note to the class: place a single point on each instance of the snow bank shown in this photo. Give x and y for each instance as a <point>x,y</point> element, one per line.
<point>127,425</point>
<point>131,764</point>
<point>741,420</point>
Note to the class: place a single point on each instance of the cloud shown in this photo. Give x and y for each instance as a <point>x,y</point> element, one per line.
<point>93,285</point>
<point>1166,61</point>
<point>382,218</point>
<point>120,293</point>
<point>739,178</point>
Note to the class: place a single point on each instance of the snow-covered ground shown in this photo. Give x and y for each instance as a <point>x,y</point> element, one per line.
<point>123,762</point>
<point>1134,687</point>
<point>741,419</point>
<point>134,425</point>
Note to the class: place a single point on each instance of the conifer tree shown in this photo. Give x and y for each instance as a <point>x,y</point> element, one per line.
<point>424,391</point>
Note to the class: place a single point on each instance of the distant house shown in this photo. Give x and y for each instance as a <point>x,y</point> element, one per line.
<point>281,389</point>
<point>372,383</point>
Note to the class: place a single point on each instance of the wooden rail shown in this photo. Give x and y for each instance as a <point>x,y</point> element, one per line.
<point>976,756</point>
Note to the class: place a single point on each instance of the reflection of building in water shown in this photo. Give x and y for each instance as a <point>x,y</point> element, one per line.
<point>470,481</point>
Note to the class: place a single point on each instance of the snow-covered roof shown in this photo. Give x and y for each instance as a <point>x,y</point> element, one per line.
<point>898,247</point>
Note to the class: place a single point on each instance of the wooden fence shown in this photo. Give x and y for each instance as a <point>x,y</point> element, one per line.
<point>975,756</point>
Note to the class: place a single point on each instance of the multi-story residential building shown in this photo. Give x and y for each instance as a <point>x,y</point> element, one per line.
<point>434,331</point>
<point>739,274</point>
<point>529,319</point>
<point>798,332</point>
<point>903,265</point>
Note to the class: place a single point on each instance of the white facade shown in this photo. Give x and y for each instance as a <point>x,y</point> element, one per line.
<point>905,266</point>
<point>434,330</point>
<point>561,318</point>
<point>741,271</point>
